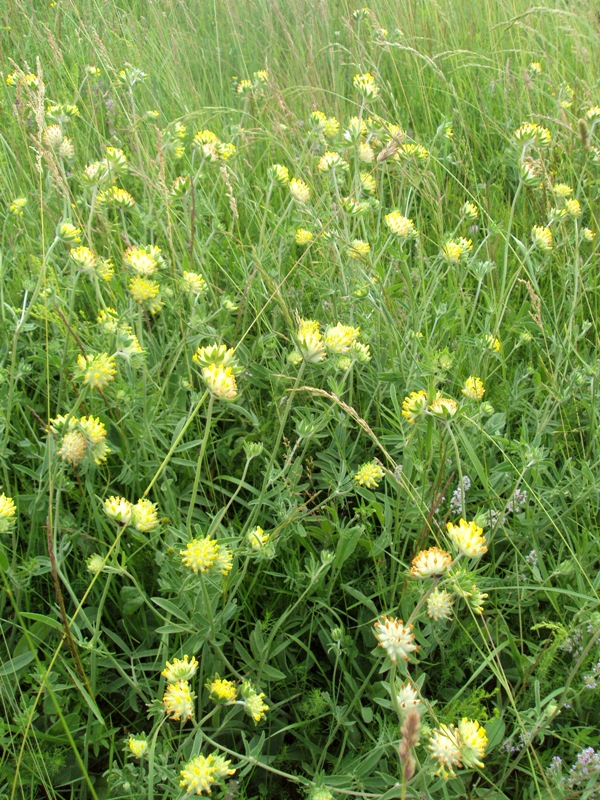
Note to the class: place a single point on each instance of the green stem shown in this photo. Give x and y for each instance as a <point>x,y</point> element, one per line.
<point>203,444</point>
<point>176,443</point>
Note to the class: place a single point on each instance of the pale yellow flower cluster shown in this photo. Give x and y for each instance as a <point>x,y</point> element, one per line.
<point>180,669</point>
<point>97,370</point>
<point>201,773</point>
<point>207,555</point>
<point>81,439</point>
<point>456,250</point>
<point>340,341</point>
<point>8,513</point>
<point>369,475</point>
<point>456,746</point>
<point>396,638</point>
<point>219,367</point>
<point>142,515</point>
<point>178,701</point>
<point>212,149</point>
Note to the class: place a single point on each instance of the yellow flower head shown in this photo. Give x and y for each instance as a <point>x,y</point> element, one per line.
<point>414,406</point>
<point>411,150</point>
<point>310,341</point>
<point>8,511</point>
<point>369,475</point>
<point>365,153</point>
<point>143,260</point>
<point>53,137</point>
<point>470,211</point>
<point>220,381</point>
<point>573,207</point>
<point>180,669</point>
<point>359,249</point>
<point>401,226</point>
<point>115,196</point>
<point>368,183</point>
<point>396,638</point>
<point>17,206</point>
<point>453,252</point>
<point>299,190</point>
<point>222,690</point>
<point>303,236</point>
<point>428,563</point>
<point>253,702</point>
<point>317,120</point>
<point>257,538</point>
<point>200,554</point>
<point>97,370</point>
<point>118,509</point>
<point>331,128</point>
<point>444,746</point>
<point>202,772</point>
<point>356,128</point>
<point>562,190</point>
<point>541,236</point>
<point>81,438</point>
<point>339,338</point>
<point>493,343</point>
<point>143,515</point>
<point>137,746</point>
<point>194,283</point>
<point>474,388</point>
<point>280,174</point>
<point>178,701</point>
<point>535,68</point>
<point>439,605</point>
<point>366,85</point>
<point>330,162</point>
<point>143,291</point>
<point>530,133</point>
<point>467,537</point>
<point>473,741</point>
<point>444,407</point>
<point>84,258</point>
<point>67,232</point>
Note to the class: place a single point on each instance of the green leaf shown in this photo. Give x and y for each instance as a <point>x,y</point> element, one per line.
<point>16,664</point>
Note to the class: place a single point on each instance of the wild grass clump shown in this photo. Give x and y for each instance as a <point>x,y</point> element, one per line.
<point>298,451</point>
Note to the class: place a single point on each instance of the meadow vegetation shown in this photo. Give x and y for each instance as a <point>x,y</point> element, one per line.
<point>299,487</point>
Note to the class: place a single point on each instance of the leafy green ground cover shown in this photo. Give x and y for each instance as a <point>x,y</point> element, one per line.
<point>298,435</point>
